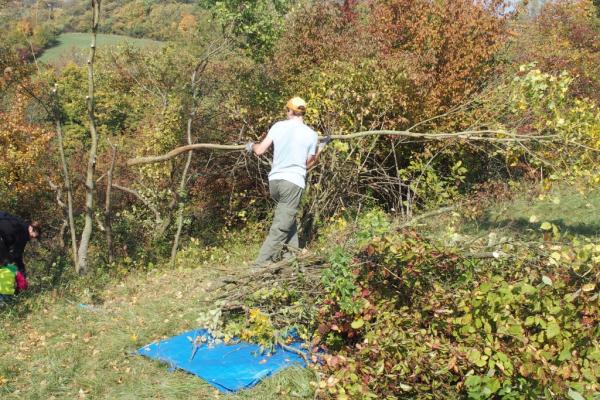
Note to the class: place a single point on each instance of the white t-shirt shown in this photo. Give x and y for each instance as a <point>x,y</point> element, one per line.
<point>294,142</point>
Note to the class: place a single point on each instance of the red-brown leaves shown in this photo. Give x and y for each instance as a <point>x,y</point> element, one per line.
<point>564,37</point>
<point>447,47</point>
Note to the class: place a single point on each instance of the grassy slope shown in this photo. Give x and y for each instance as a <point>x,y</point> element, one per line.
<point>76,43</point>
<point>574,212</point>
<point>61,350</point>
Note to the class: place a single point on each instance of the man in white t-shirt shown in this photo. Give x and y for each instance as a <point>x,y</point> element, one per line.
<point>295,151</point>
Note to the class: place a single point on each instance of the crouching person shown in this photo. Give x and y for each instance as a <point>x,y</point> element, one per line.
<point>14,236</point>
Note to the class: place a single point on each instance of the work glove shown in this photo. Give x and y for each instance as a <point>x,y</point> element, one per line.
<point>324,142</point>
<point>249,147</point>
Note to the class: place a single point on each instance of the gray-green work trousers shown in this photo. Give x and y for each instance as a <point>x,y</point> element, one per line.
<point>284,230</point>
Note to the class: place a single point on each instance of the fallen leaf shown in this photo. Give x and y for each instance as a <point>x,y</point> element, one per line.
<point>588,287</point>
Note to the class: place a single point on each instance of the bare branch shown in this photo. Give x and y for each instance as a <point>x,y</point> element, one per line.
<point>132,192</point>
<point>474,135</point>
<point>65,173</point>
<point>108,203</point>
<point>183,149</point>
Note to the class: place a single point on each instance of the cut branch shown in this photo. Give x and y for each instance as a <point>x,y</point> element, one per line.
<point>474,135</point>
<point>180,150</point>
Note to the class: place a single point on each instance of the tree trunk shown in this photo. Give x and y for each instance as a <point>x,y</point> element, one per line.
<point>66,179</point>
<point>107,205</point>
<point>82,262</point>
<point>181,193</point>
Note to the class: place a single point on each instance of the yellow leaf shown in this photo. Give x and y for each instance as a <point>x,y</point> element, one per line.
<point>588,287</point>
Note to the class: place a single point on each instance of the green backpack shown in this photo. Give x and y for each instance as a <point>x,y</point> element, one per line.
<point>7,279</point>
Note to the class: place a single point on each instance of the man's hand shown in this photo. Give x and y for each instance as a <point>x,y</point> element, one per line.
<point>324,142</point>
<point>312,160</point>
<point>259,148</point>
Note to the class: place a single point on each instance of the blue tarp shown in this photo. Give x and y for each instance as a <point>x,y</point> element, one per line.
<point>228,367</point>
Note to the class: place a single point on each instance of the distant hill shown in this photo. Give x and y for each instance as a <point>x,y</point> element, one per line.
<point>154,19</point>
<point>75,45</point>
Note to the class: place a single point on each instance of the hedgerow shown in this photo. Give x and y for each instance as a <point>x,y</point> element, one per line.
<point>425,321</point>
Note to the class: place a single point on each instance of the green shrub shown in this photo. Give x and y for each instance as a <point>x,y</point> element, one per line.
<point>418,320</point>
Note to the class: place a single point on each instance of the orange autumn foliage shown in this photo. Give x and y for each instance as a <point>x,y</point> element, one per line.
<point>23,152</point>
<point>447,50</point>
<point>447,47</point>
<point>319,33</point>
<point>188,24</point>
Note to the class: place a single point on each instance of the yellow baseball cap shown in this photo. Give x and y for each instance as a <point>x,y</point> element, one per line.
<point>296,104</point>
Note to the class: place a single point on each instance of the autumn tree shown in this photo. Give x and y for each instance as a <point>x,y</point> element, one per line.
<point>23,159</point>
<point>563,37</point>
<point>82,265</point>
<point>256,25</point>
<point>448,48</point>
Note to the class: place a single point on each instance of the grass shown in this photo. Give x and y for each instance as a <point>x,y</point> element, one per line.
<point>574,212</point>
<point>54,349</point>
<point>75,45</point>
<point>515,219</point>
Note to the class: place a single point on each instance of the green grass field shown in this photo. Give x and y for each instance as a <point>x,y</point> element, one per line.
<point>73,45</point>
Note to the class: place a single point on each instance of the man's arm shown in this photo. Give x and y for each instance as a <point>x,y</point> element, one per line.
<point>312,160</point>
<point>260,148</point>
<point>17,254</point>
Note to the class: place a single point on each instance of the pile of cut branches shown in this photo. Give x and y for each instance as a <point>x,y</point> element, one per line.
<point>280,290</point>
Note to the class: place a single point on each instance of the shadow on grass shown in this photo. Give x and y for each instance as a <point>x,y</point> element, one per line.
<point>523,225</point>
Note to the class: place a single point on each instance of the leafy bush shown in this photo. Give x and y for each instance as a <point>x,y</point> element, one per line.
<point>426,322</point>
<point>563,37</point>
<point>538,102</point>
